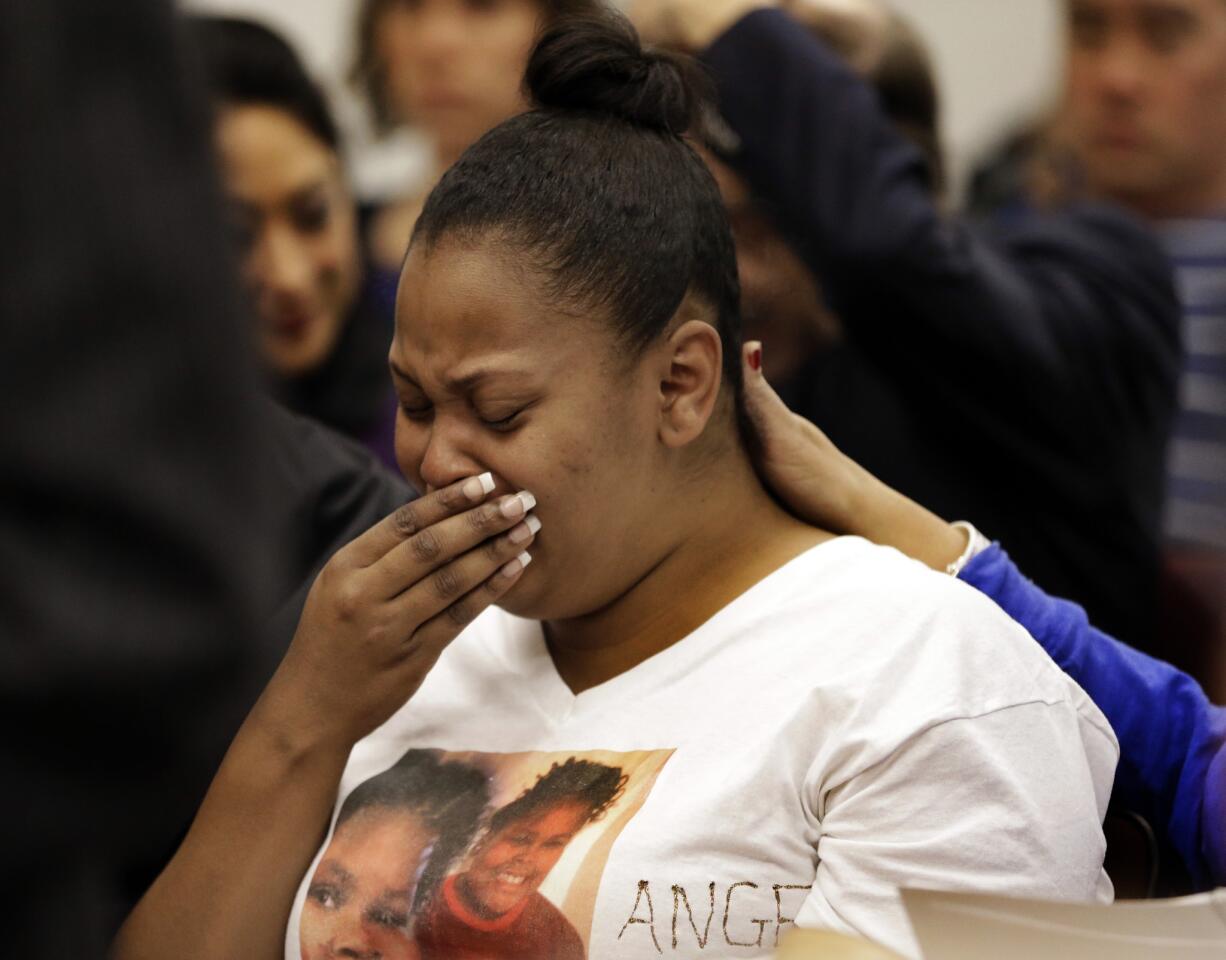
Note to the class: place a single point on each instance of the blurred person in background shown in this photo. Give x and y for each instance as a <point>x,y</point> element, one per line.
<point>1145,115</point>
<point>1145,103</point>
<point>132,526</point>
<point>1025,377</point>
<point>324,320</point>
<point>158,508</point>
<point>451,68</point>
<point>1143,122</point>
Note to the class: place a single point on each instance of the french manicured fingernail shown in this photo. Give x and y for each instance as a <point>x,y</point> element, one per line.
<point>513,567</point>
<point>518,505</point>
<point>476,488</point>
<point>526,530</point>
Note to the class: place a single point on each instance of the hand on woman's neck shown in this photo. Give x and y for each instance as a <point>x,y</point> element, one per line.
<point>731,535</point>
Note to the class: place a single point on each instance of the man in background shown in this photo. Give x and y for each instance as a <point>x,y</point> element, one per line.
<point>1144,115</point>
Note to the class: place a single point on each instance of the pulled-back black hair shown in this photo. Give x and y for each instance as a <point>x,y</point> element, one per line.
<point>246,63</point>
<point>448,797</point>
<point>595,786</point>
<point>597,188</point>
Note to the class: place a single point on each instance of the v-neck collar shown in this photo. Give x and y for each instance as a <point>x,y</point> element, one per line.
<point>559,703</point>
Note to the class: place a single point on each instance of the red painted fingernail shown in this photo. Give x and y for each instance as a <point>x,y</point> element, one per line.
<point>755,359</point>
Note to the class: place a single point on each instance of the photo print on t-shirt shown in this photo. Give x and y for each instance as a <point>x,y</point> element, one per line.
<point>474,855</point>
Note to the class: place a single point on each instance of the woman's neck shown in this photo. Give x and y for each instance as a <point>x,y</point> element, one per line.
<point>734,536</point>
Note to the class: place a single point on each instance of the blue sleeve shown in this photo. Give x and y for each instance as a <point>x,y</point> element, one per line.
<point>1062,312</point>
<point>1172,739</point>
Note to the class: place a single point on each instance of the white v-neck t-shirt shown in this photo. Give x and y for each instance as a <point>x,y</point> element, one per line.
<point>852,724</point>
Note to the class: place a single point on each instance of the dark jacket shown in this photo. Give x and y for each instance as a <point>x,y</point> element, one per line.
<point>328,489</point>
<point>154,509</point>
<point>1024,380</point>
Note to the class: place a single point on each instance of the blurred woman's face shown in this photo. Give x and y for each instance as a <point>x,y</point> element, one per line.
<point>298,229</point>
<point>453,67</point>
<point>360,900</point>
<point>508,866</point>
<point>492,376</point>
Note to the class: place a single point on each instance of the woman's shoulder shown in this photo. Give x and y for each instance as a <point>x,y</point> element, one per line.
<point>893,647</point>
<point>850,573</point>
<point>870,610</point>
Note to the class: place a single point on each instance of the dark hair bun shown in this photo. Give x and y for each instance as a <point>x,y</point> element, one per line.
<point>596,63</point>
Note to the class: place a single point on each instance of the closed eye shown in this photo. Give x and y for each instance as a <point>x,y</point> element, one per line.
<point>505,423</point>
<point>390,917</point>
<point>417,412</point>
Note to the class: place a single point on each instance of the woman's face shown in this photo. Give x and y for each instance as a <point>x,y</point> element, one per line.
<point>510,865</point>
<point>360,900</point>
<point>453,67</point>
<point>491,376</point>
<point>298,228</point>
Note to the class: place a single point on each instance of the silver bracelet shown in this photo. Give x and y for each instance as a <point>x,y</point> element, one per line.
<point>976,543</point>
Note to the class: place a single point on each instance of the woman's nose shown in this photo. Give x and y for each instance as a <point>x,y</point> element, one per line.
<point>445,459</point>
<point>284,269</point>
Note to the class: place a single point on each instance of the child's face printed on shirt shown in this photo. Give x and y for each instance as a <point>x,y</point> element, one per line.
<point>493,376</point>
<point>509,865</point>
<point>360,900</point>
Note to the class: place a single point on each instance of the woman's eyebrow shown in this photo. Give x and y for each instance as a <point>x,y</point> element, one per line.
<point>397,372</point>
<point>467,382</point>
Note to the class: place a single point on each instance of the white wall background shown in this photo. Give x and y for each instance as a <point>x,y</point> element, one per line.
<point>997,62</point>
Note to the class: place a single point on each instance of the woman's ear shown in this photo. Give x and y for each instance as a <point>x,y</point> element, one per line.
<point>689,384</point>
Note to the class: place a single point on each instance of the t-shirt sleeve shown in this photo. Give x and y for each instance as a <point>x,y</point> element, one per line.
<point>1164,767</point>
<point>1008,802</point>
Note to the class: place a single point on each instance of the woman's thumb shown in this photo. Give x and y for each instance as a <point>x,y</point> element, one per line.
<point>761,402</point>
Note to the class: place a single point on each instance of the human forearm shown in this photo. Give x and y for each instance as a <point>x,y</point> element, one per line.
<point>884,516</point>
<point>229,889</point>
